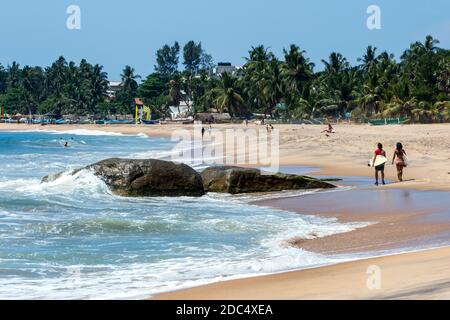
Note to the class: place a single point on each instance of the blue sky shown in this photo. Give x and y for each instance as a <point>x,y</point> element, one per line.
<point>116,33</point>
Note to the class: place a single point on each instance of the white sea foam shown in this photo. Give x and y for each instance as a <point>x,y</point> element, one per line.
<point>66,183</point>
<point>136,281</point>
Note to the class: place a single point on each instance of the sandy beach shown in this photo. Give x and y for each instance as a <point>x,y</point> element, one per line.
<point>345,153</point>
<point>400,214</point>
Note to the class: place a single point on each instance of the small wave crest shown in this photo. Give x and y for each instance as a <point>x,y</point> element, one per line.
<point>83,181</point>
<point>113,226</point>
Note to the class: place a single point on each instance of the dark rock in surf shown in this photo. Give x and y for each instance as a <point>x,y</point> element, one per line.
<point>147,178</point>
<point>235,180</point>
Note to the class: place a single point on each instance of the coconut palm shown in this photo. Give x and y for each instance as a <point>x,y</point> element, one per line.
<point>297,70</point>
<point>129,80</point>
<point>98,85</point>
<point>336,63</point>
<point>369,60</point>
<point>399,108</point>
<point>227,97</point>
<point>175,92</point>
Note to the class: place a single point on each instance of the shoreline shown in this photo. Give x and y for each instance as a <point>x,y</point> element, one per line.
<point>346,153</point>
<point>397,218</point>
<point>349,280</point>
<point>288,157</point>
<point>289,284</point>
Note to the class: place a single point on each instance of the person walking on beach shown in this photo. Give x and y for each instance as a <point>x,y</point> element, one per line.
<point>203,132</point>
<point>399,160</point>
<point>380,168</point>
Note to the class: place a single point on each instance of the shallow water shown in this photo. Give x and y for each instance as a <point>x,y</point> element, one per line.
<point>73,239</point>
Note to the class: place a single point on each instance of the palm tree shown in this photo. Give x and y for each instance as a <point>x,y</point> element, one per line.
<point>272,85</point>
<point>430,44</point>
<point>227,96</point>
<point>426,112</point>
<point>129,82</point>
<point>14,75</point>
<point>301,109</point>
<point>297,70</point>
<point>98,86</point>
<point>443,76</point>
<point>56,77</point>
<point>335,64</point>
<point>370,97</point>
<point>128,91</point>
<point>32,83</point>
<point>259,53</point>
<point>336,86</point>
<point>175,93</point>
<point>399,108</point>
<point>369,60</point>
<point>254,80</point>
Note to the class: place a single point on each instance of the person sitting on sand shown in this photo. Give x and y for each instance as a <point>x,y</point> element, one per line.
<point>329,130</point>
<point>380,168</point>
<point>399,160</point>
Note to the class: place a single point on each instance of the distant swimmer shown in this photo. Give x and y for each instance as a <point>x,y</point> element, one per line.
<point>399,160</point>
<point>66,145</point>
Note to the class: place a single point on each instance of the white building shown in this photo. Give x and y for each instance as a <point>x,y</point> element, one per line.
<point>225,67</point>
<point>181,112</point>
<point>113,88</point>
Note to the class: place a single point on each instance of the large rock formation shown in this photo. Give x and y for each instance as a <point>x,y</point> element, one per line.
<point>235,180</point>
<point>148,178</point>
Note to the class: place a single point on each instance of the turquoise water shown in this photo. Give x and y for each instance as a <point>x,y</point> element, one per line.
<point>73,239</point>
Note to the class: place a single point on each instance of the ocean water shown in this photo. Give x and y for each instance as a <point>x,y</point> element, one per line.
<point>73,239</point>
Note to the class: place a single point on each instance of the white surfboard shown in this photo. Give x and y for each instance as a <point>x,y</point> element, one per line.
<point>378,161</point>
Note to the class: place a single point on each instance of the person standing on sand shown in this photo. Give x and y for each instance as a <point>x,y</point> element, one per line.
<point>380,168</point>
<point>399,160</point>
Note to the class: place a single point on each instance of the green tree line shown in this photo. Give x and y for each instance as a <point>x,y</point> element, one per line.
<point>416,86</point>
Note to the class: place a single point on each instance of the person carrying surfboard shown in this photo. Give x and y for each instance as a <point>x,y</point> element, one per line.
<point>380,154</point>
<point>400,160</point>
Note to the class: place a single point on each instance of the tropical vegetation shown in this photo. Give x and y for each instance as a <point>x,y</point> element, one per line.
<point>415,87</point>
